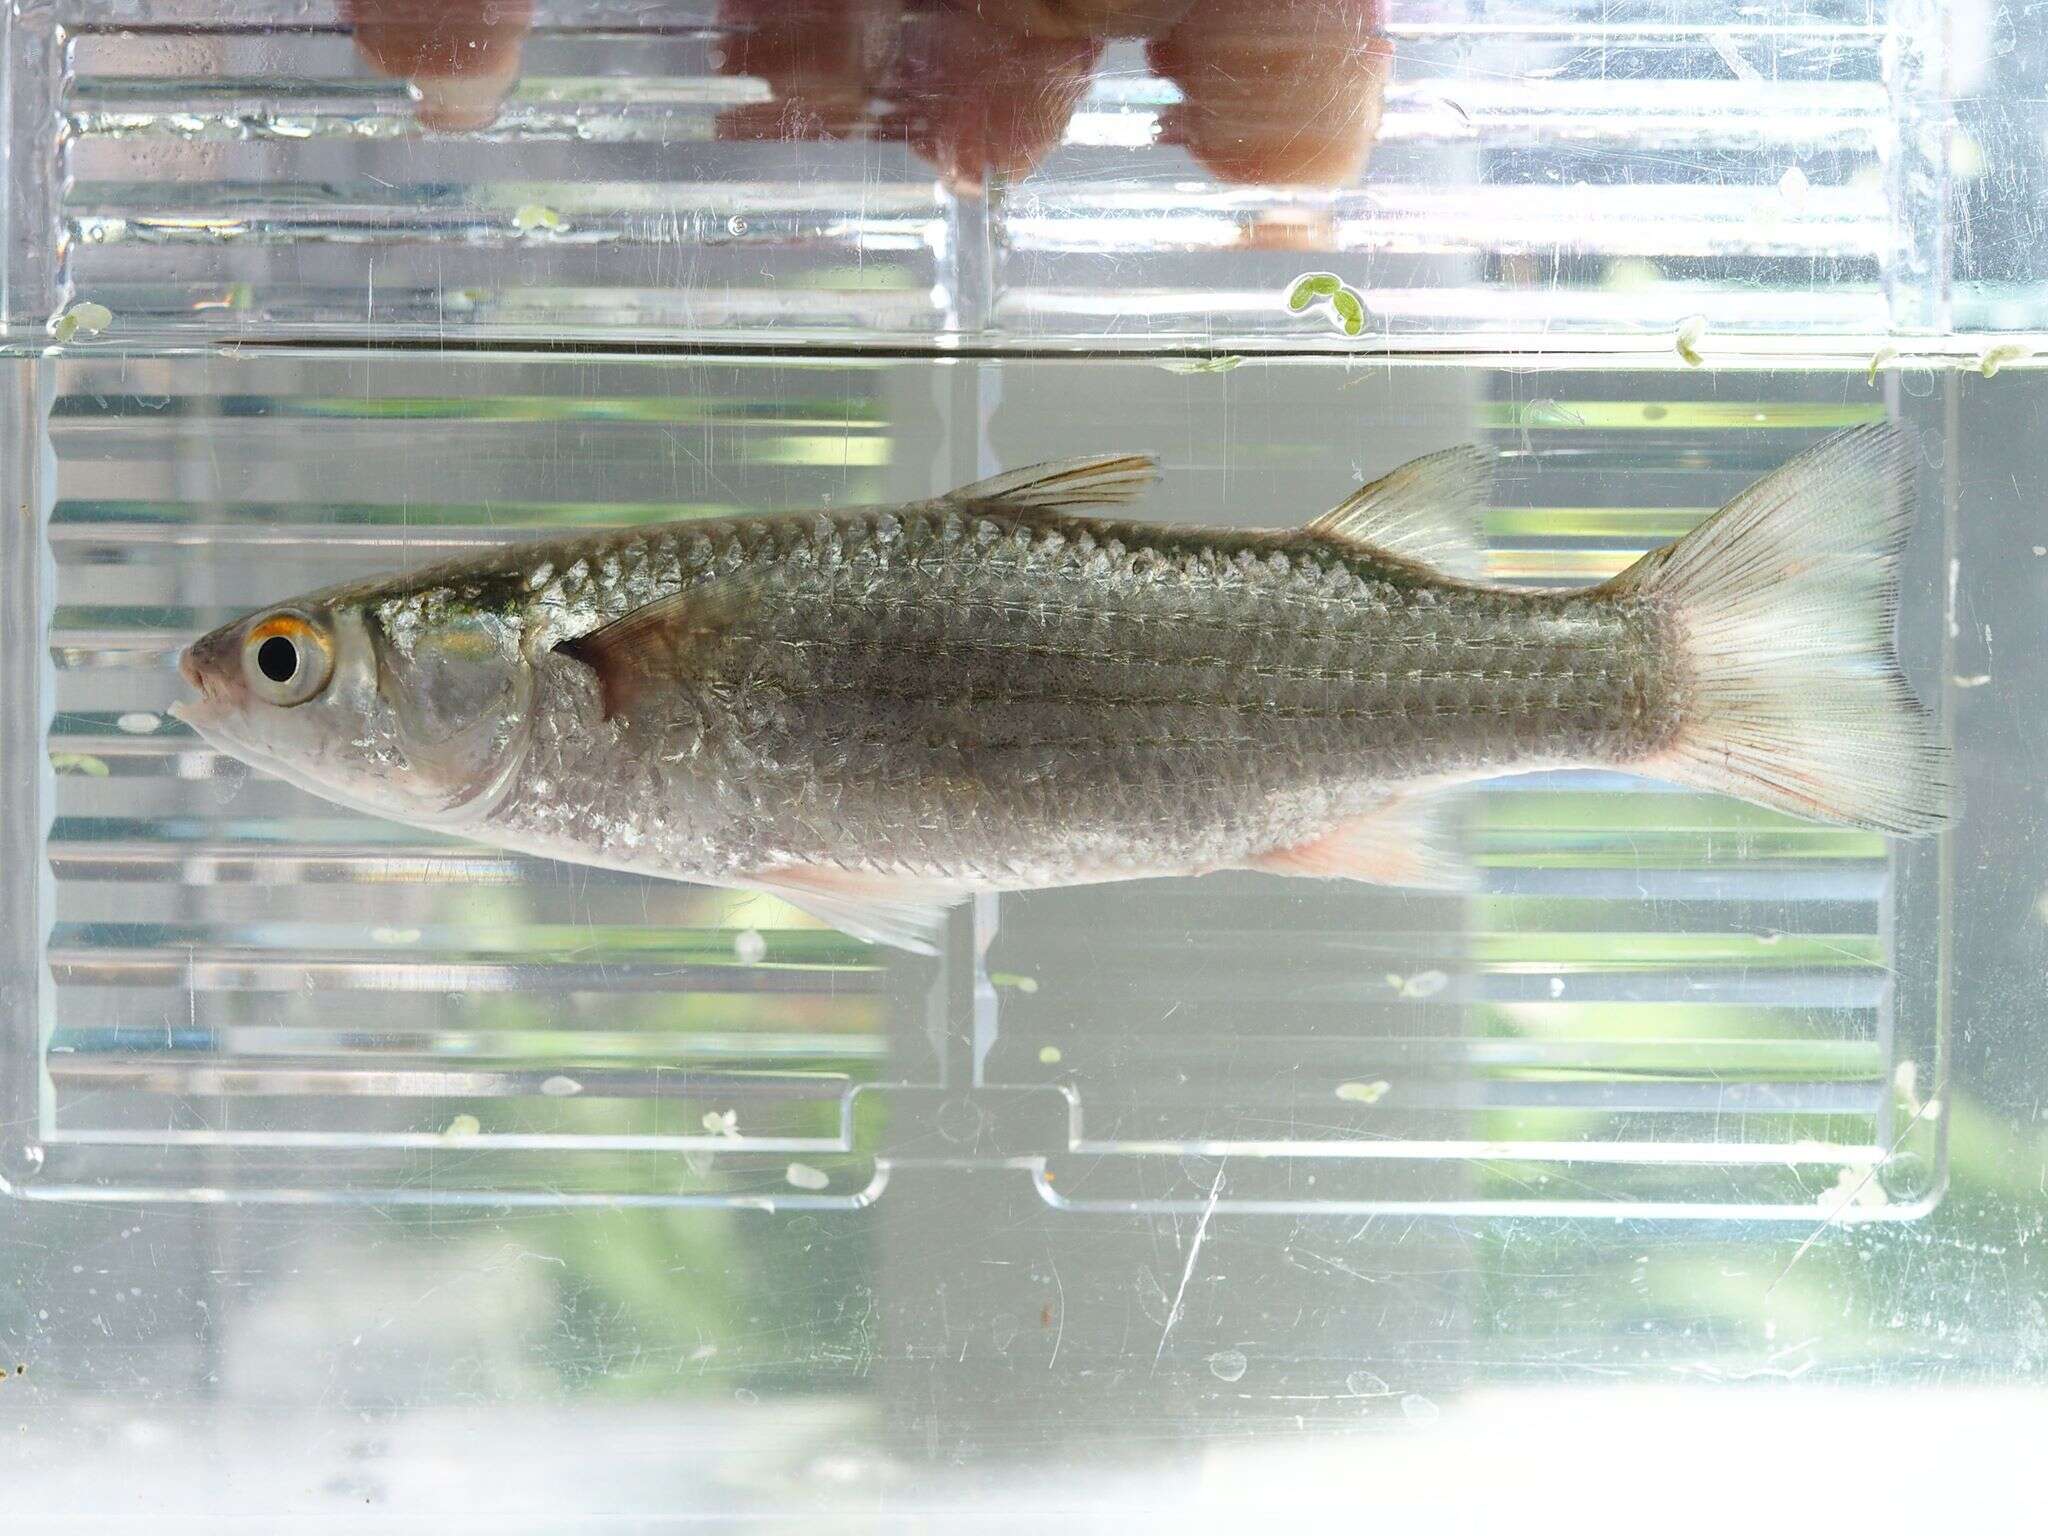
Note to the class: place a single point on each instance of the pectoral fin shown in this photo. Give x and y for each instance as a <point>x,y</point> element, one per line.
<point>654,646</point>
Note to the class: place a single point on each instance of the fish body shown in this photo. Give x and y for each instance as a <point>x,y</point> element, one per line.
<point>877,712</point>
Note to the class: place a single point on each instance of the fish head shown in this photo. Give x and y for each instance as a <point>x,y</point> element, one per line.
<point>412,704</point>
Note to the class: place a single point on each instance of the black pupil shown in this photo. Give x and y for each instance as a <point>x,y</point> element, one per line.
<point>278,659</point>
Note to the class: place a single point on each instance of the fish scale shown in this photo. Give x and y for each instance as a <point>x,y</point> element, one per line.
<point>993,698</point>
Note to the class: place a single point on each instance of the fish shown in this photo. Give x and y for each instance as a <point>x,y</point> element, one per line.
<point>876,713</point>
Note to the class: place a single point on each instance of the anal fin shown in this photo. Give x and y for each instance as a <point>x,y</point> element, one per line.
<point>1407,840</point>
<point>904,912</point>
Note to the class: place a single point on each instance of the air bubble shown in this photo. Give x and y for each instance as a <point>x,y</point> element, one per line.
<point>1229,1365</point>
<point>1418,1409</point>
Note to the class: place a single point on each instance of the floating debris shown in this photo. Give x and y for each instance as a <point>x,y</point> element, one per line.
<point>1631,274</point>
<point>804,1176</point>
<point>1793,187</point>
<point>394,935</point>
<point>2040,550</point>
<point>1690,330</point>
<point>229,775</point>
<point>559,1087</point>
<point>533,216</point>
<point>1363,1093</point>
<point>1454,106</point>
<point>1425,984</point>
<point>463,1127</point>
<point>1995,358</point>
<point>139,722</point>
<point>1974,680</point>
<point>1858,1187</point>
<point>82,319</point>
<point>1222,364</point>
<point>79,762</point>
<point>1557,986</point>
<point>1049,1056</point>
<point>1310,287</point>
<point>1228,1365</point>
<point>1548,413</point>
<point>749,946</point>
<point>1366,1384</point>
<point>1347,306</point>
<point>1906,1083</point>
<point>1025,984</point>
<point>1878,360</point>
<point>722,1122</point>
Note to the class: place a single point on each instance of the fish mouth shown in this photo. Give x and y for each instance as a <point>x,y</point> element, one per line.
<point>213,719</point>
<point>221,696</point>
<point>208,716</point>
<point>192,712</point>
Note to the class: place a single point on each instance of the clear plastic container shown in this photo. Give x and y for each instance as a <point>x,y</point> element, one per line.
<point>358,1175</point>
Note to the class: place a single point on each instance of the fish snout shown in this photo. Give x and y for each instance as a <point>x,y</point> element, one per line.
<point>212,664</point>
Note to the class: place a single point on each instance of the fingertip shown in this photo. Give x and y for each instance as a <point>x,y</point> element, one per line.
<point>1290,94</point>
<point>1091,19</point>
<point>460,58</point>
<point>980,103</point>
<point>815,57</point>
<point>462,103</point>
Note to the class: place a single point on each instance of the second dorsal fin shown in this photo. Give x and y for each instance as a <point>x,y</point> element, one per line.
<point>1102,480</point>
<point>1427,511</point>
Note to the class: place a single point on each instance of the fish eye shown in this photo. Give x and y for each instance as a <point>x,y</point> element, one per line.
<point>287,659</point>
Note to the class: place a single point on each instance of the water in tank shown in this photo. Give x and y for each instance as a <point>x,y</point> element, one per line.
<point>364,1175</point>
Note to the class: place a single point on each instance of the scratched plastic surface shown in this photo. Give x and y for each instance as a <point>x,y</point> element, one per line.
<point>361,1179</point>
<point>1658,998</point>
<point>1531,172</point>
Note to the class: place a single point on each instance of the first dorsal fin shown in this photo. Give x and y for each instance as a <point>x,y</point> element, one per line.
<point>1426,511</point>
<point>1102,480</point>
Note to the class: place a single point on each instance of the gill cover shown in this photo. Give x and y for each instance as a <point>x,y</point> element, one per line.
<point>458,693</point>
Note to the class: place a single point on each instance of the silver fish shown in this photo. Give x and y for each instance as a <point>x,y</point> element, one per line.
<point>875,713</point>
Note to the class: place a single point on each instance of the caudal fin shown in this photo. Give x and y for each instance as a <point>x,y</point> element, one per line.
<point>1784,603</point>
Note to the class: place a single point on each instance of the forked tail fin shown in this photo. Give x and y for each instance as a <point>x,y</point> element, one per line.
<point>1784,603</point>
